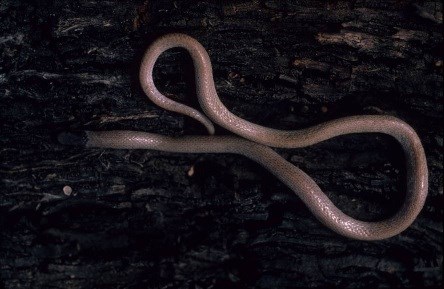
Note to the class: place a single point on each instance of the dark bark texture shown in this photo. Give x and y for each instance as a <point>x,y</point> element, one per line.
<point>145,219</point>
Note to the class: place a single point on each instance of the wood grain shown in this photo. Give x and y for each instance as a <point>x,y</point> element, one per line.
<point>156,220</point>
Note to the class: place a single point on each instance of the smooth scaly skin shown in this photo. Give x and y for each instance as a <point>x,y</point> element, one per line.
<point>260,137</point>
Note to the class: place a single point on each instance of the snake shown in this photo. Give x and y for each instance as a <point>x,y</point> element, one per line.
<point>256,142</point>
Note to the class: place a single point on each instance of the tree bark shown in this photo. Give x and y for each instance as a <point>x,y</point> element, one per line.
<point>146,219</point>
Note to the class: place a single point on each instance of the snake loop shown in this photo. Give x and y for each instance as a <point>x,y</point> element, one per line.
<point>253,141</point>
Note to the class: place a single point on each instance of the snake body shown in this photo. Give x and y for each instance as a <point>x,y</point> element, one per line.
<point>253,142</point>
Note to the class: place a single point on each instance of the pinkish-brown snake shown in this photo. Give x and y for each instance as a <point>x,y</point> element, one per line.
<point>253,141</point>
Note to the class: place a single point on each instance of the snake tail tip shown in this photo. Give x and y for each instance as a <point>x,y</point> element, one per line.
<point>73,138</point>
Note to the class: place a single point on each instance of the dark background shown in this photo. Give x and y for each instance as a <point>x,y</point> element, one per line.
<point>144,219</point>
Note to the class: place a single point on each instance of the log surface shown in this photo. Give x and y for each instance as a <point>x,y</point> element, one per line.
<point>145,219</point>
